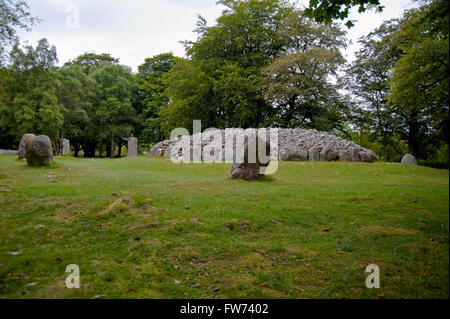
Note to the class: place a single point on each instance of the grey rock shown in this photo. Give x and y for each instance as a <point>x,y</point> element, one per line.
<point>293,145</point>
<point>132,147</point>
<point>328,154</point>
<point>409,159</point>
<point>22,152</point>
<point>39,151</point>
<point>65,147</point>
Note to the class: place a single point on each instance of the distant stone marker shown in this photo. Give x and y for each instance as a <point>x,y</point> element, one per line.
<point>132,146</point>
<point>65,147</point>
<point>22,146</point>
<point>39,151</point>
<point>409,159</point>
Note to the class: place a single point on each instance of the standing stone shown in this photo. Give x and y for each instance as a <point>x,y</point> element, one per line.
<point>409,159</point>
<point>65,147</point>
<point>39,151</point>
<point>132,146</point>
<point>22,146</point>
<point>250,171</point>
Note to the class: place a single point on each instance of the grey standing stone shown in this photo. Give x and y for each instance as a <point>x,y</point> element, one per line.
<point>409,159</point>
<point>22,146</point>
<point>132,146</point>
<point>65,147</point>
<point>39,151</point>
<point>247,170</point>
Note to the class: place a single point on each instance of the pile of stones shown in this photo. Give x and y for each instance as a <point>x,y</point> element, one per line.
<point>293,145</point>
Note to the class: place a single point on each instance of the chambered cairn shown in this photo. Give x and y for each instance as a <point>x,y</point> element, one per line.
<point>293,145</point>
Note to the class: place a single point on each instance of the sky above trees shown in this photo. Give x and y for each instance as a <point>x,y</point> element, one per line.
<point>133,30</point>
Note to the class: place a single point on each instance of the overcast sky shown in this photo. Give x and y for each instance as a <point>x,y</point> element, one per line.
<point>133,30</point>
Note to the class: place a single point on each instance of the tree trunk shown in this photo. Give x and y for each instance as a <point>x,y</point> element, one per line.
<point>413,136</point>
<point>76,149</point>
<point>111,152</point>
<point>100,148</point>
<point>119,151</point>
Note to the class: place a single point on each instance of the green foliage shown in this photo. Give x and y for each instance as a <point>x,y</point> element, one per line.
<point>152,96</point>
<point>328,10</point>
<point>31,103</point>
<point>419,87</point>
<point>88,60</point>
<point>229,80</point>
<point>13,14</point>
<point>299,83</point>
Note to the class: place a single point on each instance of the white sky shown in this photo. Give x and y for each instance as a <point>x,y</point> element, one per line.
<point>133,30</point>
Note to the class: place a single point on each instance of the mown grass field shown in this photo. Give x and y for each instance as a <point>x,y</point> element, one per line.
<point>147,228</point>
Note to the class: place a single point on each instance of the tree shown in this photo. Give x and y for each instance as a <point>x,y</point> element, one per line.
<point>113,116</point>
<point>74,94</point>
<point>299,84</point>
<point>368,79</point>
<point>152,96</point>
<point>31,103</point>
<point>419,86</point>
<point>13,14</point>
<point>221,83</point>
<point>325,11</point>
<point>87,60</point>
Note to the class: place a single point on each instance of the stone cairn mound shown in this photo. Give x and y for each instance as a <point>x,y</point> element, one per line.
<point>293,145</point>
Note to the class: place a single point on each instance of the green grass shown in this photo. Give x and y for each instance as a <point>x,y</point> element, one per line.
<point>191,232</point>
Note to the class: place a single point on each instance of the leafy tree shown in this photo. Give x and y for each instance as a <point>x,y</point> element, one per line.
<point>87,60</point>
<point>325,11</point>
<point>74,95</point>
<point>13,14</point>
<point>152,96</point>
<point>299,84</point>
<point>31,103</point>
<point>113,114</point>
<point>419,86</point>
<point>368,79</point>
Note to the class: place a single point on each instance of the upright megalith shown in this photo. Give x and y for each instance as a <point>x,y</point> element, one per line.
<point>22,146</point>
<point>132,146</point>
<point>252,165</point>
<point>39,151</point>
<point>409,159</point>
<point>65,147</point>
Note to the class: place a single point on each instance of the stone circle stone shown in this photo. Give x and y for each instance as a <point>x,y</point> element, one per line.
<point>39,151</point>
<point>22,146</point>
<point>409,159</point>
<point>132,147</point>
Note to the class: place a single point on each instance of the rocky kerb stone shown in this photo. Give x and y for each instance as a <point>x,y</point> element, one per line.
<point>293,145</point>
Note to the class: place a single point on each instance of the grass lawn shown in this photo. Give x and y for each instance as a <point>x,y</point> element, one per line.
<point>147,228</point>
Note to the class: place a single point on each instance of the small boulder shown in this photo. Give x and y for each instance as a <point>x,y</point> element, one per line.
<point>39,151</point>
<point>22,146</point>
<point>409,159</point>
